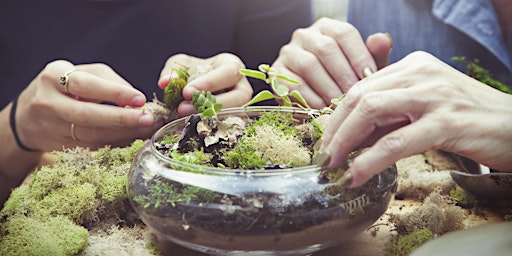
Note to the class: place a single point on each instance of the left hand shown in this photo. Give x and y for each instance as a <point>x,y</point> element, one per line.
<point>231,88</point>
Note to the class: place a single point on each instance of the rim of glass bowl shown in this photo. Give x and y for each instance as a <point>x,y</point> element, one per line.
<point>225,171</point>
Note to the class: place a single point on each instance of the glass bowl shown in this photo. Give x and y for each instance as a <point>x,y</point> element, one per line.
<point>291,211</point>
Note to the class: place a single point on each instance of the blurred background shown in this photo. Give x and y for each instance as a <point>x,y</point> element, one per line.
<point>336,9</point>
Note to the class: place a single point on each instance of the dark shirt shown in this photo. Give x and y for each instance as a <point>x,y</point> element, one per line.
<point>136,37</point>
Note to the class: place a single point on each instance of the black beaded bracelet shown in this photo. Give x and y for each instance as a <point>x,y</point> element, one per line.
<point>12,120</point>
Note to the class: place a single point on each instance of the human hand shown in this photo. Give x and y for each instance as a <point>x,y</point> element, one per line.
<point>329,57</point>
<point>230,88</point>
<point>416,104</point>
<point>48,117</point>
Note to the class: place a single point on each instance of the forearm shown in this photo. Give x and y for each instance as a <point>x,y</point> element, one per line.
<point>15,163</point>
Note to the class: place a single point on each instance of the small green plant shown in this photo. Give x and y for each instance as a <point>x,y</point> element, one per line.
<point>206,104</point>
<point>161,193</point>
<point>271,77</point>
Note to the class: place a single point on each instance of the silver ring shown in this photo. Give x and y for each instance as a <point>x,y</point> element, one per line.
<point>73,135</point>
<point>64,80</point>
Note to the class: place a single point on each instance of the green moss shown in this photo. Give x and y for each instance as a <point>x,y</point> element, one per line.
<point>403,245</point>
<point>49,236</point>
<point>483,75</point>
<point>71,202</point>
<point>170,139</point>
<point>61,198</point>
<point>17,203</point>
<point>463,198</point>
<point>244,156</point>
<point>281,121</point>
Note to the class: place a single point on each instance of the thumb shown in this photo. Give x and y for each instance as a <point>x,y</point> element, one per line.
<point>380,45</point>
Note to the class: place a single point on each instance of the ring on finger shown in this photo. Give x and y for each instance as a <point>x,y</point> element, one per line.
<point>64,80</point>
<point>73,134</point>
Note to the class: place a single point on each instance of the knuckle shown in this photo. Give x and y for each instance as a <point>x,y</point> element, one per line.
<point>101,66</point>
<point>324,46</point>
<point>305,66</point>
<point>393,144</point>
<point>299,33</point>
<point>352,97</point>
<point>79,115</point>
<point>370,104</point>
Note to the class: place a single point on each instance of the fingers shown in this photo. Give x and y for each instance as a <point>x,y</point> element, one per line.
<point>315,99</point>
<point>93,82</point>
<point>63,94</point>
<point>225,75</point>
<point>400,143</point>
<point>221,76</point>
<point>350,42</point>
<point>380,45</point>
<point>102,115</point>
<point>329,56</point>
<point>379,119</point>
<point>175,62</point>
<point>318,86</point>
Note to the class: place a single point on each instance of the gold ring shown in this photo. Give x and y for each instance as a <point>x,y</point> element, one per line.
<point>64,80</point>
<point>367,72</point>
<point>73,135</point>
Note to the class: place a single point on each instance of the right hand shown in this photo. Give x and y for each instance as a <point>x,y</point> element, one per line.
<point>329,57</point>
<point>46,112</point>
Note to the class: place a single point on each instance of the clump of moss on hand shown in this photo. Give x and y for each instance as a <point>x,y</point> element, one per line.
<point>62,200</point>
<point>403,245</point>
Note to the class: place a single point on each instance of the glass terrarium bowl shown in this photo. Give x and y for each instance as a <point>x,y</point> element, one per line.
<point>291,211</point>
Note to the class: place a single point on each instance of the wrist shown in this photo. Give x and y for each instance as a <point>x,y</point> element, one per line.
<point>14,130</point>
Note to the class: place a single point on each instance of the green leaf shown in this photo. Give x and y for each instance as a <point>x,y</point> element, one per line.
<point>279,89</point>
<point>288,79</point>
<point>206,104</point>
<point>287,102</point>
<point>336,101</point>
<point>254,74</point>
<point>298,96</point>
<point>263,95</point>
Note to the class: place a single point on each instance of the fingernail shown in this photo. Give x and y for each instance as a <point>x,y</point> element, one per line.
<point>138,101</point>
<point>146,119</point>
<point>322,159</point>
<point>346,180</point>
<point>390,38</point>
<point>367,72</point>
